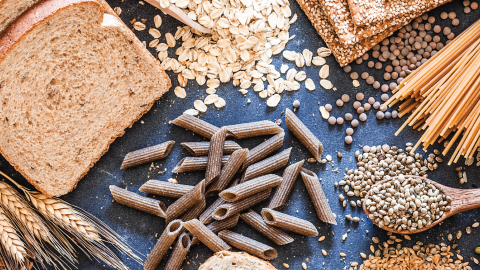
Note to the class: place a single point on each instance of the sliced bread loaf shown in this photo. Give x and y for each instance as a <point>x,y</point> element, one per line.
<point>10,10</point>
<point>226,260</point>
<point>71,80</point>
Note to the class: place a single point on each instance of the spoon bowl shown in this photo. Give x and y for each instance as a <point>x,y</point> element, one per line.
<point>462,200</point>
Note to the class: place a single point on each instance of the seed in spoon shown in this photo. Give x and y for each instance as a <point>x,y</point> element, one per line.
<point>406,203</point>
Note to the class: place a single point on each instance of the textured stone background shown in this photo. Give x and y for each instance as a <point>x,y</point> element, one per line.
<point>139,228</point>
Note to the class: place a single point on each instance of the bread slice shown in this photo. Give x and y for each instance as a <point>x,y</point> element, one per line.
<point>226,260</point>
<point>71,80</point>
<point>10,10</point>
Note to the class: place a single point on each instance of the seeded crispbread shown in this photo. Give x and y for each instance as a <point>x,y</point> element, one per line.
<point>369,12</point>
<point>345,53</point>
<point>72,78</point>
<point>226,260</point>
<point>340,16</point>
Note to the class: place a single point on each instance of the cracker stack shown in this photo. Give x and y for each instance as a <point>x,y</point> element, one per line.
<point>352,27</point>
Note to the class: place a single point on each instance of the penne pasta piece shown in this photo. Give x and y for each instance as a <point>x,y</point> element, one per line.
<point>248,245</point>
<point>142,203</point>
<point>267,165</point>
<point>251,187</point>
<point>320,202</point>
<point>304,135</point>
<point>220,225</point>
<point>215,153</point>
<point>253,129</point>
<point>197,149</point>
<point>289,176</point>
<point>187,201</point>
<point>163,244</point>
<point>179,252</point>
<point>229,209</point>
<point>228,172</point>
<point>195,211</point>
<point>190,164</point>
<point>196,125</point>
<point>256,221</point>
<point>288,222</point>
<point>206,236</point>
<point>164,188</point>
<point>148,154</point>
<point>206,216</point>
<point>264,149</point>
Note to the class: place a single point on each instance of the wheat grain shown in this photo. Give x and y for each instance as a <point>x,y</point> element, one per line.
<point>55,209</point>
<point>10,240</point>
<point>12,201</point>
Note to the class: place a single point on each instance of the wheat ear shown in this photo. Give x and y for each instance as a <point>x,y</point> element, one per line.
<point>10,239</point>
<point>10,200</point>
<point>57,210</point>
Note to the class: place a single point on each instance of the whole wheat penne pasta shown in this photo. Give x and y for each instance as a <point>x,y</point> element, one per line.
<point>206,236</point>
<point>288,222</point>
<point>164,188</point>
<point>256,221</point>
<point>142,203</point>
<point>163,244</point>
<point>250,187</point>
<point>196,125</point>
<point>253,129</point>
<point>228,172</point>
<point>248,245</point>
<point>264,149</point>
<point>197,149</point>
<point>229,209</point>
<point>220,225</point>
<point>206,216</point>
<point>283,191</point>
<point>215,153</point>
<point>320,202</point>
<point>267,165</point>
<point>179,252</point>
<point>195,211</point>
<point>187,201</point>
<point>148,154</point>
<point>190,164</point>
<point>304,135</point>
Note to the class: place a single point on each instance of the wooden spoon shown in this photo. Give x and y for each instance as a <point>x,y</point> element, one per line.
<point>178,14</point>
<point>462,200</point>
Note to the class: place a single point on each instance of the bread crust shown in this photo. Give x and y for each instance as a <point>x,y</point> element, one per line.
<point>40,13</point>
<point>238,258</point>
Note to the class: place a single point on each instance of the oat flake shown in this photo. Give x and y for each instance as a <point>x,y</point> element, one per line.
<point>326,84</point>
<point>199,105</point>
<point>180,92</point>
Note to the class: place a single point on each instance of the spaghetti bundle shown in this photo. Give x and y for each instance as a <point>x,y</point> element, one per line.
<point>443,96</point>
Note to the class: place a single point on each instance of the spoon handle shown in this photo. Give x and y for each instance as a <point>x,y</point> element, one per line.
<point>464,199</point>
<point>178,14</point>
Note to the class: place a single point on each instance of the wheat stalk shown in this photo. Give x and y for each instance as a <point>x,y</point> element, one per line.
<point>10,239</point>
<point>57,210</point>
<point>80,226</point>
<point>12,201</point>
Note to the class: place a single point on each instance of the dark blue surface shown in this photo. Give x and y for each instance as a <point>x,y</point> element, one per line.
<point>139,228</point>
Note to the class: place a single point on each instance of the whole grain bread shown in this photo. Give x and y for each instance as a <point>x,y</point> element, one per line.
<point>226,260</point>
<point>10,10</point>
<point>72,79</point>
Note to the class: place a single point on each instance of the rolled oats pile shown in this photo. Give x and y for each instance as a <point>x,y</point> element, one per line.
<point>245,35</point>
